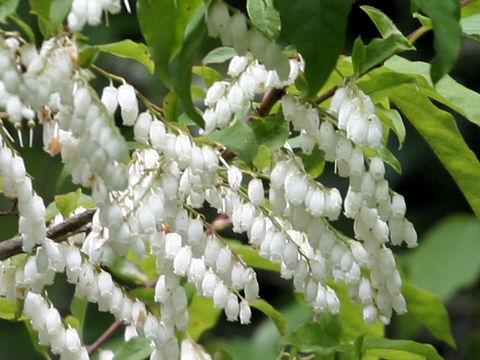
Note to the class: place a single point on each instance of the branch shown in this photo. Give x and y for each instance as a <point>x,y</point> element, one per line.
<point>60,232</point>
<point>117,325</point>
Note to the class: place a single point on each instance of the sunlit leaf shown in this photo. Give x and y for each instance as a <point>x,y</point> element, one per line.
<point>400,349</point>
<point>203,316</point>
<point>219,55</point>
<point>131,50</point>
<point>137,348</point>
<point>265,17</point>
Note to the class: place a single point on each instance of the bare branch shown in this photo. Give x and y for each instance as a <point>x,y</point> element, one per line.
<point>60,232</point>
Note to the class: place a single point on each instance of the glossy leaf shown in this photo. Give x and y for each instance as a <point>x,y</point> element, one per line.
<point>447,41</point>
<point>447,90</point>
<point>7,7</point>
<point>311,337</point>
<point>317,29</point>
<point>203,316</point>
<point>379,50</point>
<point>131,50</point>
<point>137,348</point>
<point>275,315</point>
<point>400,349</point>
<point>181,66</point>
<point>429,310</point>
<point>440,131</point>
<point>163,34</point>
<point>445,267</point>
<point>265,17</point>
<point>238,138</point>
<point>383,23</point>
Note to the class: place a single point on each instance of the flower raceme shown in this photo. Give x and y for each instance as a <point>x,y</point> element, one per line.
<point>151,203</point>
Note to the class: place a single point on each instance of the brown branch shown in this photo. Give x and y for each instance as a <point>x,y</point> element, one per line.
<point>60,232</point>
<point>269,99</point>
<point>322,97</point>
<point>117,325</point>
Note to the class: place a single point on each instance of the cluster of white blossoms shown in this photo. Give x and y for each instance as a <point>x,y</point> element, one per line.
<point>153,206</point>
<point>90,12</point>
<point>249,77</point>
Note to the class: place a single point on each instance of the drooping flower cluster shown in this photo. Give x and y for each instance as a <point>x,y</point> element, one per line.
<point>152,207</point>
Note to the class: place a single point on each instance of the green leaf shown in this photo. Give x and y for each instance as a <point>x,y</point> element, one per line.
<point>131,50</point>
<point>317,29</point>
<point>385,26</point>
<point>263,159</point>
<point>7,7</point>
<point>251,256</point>
<point>351,318</point>
<point>203,316</point>
<point>264,17</point>
<point>393,120</point>
<point>447,260</point>
<point>447,90</point>
<point>400,349</point>
<point>311,337</point>
<point>379,50</point>
<point>208,74</point>
<point>181,66</point>
<point>471,26</point>
<point>429,310</point>
<point>41,8</point>
<point>219,55</point>
<point>24,26</point>
<point>78,308</point>
<point>275,315</point>
<point>163,24</point>
<point>59,10</point>
<point>8,309</point>
<point>40,349</point>
<point>447,40</point>
<point>170,107</point>
<point>137,348</point>
<point>67,203</point>
<point>424,20</point>
<point>88,56</point>
<point>147,295</point>
<point>238,138</point>
<point>313,163</point>
<point>271,131</point>
<point>441,133</point>
<point>359,55</point>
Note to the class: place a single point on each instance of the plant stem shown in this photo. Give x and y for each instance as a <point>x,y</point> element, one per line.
<point>58,233</point>
<point>117,325</point>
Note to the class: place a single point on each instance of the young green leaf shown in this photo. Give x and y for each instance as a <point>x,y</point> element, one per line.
<point>7,7</point>
<point>400,349</point>
<point>317,29</point>
<point>131,50</point>
<point>385,26</point>
<point>429,310</point>
<point>447,40</point>
<point>359,54</point>
<point>271,131</point>
<point>7,309</point>
<point>208,74</point>
<point>219,55</point>
<point>393,120</point>
<point>58,11</point>
<point>440,131</point>
<point>67,203</point>
<point>251,256</point>
<point>265,17</point>
<point>78,307</point>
